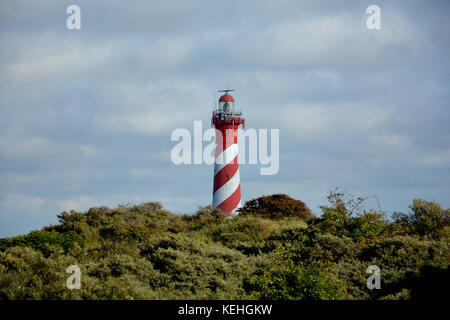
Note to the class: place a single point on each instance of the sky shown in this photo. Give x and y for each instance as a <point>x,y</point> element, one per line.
<point>86,115</point>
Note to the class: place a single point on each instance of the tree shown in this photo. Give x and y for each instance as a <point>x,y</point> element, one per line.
<point>427,218</point>
<point>276,206</point>
<point>346,216</point>
<point>309,280</point>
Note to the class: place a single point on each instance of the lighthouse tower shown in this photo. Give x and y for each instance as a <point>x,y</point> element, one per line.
<point>227,188</point>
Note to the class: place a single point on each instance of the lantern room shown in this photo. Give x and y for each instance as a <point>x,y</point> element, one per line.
<point>226,104</point>
<point>226,112</point>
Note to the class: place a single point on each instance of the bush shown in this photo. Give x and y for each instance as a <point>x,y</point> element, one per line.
<point>304,281</point>
<point>146,252</point>
<point>348,218</point>
<point>195,269</point>
<point>402,259</point>
<point>427,218</point>
<point>242,233</point>
<point>41,240</point>
<point>297,242</point>
<point>276,206</point>
<point>27,274</point>
<point>334,249</point>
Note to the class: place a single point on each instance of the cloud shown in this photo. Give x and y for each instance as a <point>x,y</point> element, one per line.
<point>314,122</point>
<point>37,147</point>
<point>329,40</point>
<point>149,123</point>
<point>52,56</point>
<point>63,62</point>
<point>86,115</point>
<point>390,142</point>
<point>78,203</point>
<point>20,203</point>
<point>153,108</point>
<point>30,205</point>
<point>168,52</point>
<point>142,173</point>
<point>435,160</point>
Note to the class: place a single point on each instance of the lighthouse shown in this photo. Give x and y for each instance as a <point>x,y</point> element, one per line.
<point>227,188</point>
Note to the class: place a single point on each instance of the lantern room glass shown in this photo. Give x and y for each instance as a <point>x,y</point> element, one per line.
<point>226,106</point>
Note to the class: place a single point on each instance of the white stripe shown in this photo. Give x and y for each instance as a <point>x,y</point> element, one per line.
<point>225,157</point>
<point>225,191</point>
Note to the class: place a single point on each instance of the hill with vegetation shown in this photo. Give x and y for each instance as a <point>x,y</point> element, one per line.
<point>274,249</point>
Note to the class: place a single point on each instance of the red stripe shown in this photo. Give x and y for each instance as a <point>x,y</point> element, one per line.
<point>229,137</point>
<point>221,177</point>
<point>232,201</point>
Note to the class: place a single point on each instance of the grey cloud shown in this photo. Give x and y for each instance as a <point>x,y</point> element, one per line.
<point>86,116</point>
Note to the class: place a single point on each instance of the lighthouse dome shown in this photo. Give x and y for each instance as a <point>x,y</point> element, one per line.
<point>226,98</point>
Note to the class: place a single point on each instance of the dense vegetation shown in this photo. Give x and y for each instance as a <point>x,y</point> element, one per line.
<point>276,249</point>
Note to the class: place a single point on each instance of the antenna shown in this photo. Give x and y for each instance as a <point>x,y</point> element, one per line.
<point>226,91</point>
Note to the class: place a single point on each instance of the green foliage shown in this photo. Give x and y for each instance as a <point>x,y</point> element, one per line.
<point>193,268</point>
<point>41,240</point>
<point>27,274</point>
<point>288,280</point>
<point>274,249</point>
<point>276,206</point>
<point>402,260</point>
<point>348,218</point>
<point>246,234</point>
<point>206,217</point>
<point>333,248</point>
<point>427,218</point>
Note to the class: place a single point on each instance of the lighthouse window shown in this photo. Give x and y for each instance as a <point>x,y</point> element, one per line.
<point>226,106</point>
<point>227,177</point>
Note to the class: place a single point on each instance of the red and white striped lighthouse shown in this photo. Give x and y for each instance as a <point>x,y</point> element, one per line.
<point>227,188</point>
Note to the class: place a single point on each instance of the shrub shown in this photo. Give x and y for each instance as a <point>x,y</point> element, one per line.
<point>146,252</point>
<point>348,218</point>
<point>304,281</point>
<point>334,249</point>
<point>41,240</point>
<point>245,233</point>
<point>204,217</point>
<point>297,242</point>
<point>195,269</point>
<point>27,274</point>
<point>427,218</point>
<point>402,259</point>
<point>276,206</point>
